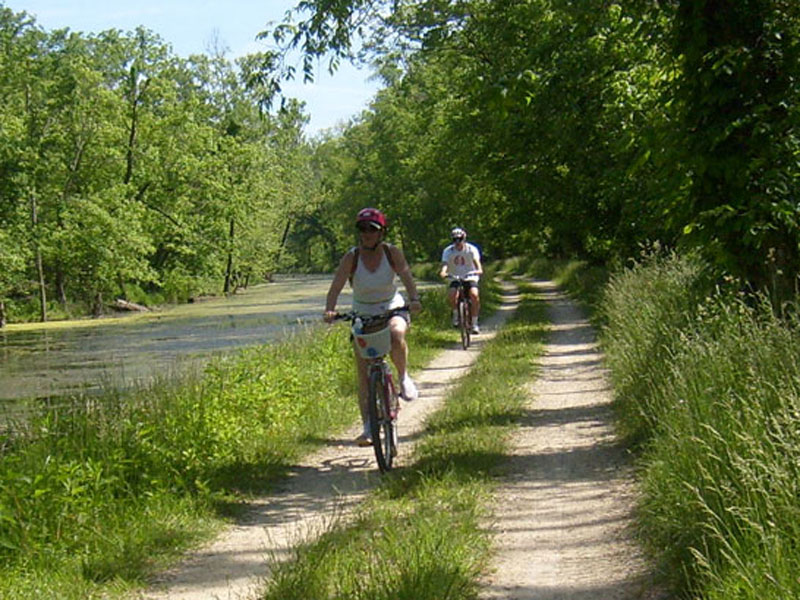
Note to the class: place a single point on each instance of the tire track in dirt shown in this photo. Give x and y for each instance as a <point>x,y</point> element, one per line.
<point>563,513</point>
<point>322,488</point>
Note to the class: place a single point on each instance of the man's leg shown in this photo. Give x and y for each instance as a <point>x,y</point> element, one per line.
<point>476,307</point>
<point>451,299</point>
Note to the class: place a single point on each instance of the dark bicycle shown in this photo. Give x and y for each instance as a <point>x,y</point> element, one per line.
<point>372,337</point>
<point>463,310</point>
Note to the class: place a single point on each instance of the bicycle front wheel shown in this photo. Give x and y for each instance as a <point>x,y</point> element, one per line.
<point>464,323</point>
<point>380,421</point>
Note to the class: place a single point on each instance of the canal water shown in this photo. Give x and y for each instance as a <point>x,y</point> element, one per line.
<point>87,356</point>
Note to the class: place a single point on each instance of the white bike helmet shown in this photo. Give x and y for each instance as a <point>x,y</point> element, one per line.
<point>458,234</point>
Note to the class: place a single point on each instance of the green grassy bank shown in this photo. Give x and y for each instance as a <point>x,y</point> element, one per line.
<point>708,387</point>
<point>96,498</point>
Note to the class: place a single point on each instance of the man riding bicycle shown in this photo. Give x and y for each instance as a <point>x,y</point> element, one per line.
<point>371,268</point>
<point>462,260</point>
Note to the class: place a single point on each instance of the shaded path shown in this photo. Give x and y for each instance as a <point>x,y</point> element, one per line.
<point>564,510</point>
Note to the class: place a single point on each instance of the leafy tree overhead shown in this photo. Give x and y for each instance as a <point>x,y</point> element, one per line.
<point>580,129</point>
<point>548,126</point>
<point>738,100</point>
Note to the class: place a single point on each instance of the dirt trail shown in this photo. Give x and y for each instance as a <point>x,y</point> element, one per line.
<point>325,486</point>
<point>562,513</point>
<point>562,516</point>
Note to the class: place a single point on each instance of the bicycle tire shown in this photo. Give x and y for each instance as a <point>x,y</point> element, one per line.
<point>380,422</point>
<point>463,322</point>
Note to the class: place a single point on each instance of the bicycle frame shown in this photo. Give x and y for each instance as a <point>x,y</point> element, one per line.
<point>464,311</point>
<point>382,397</point>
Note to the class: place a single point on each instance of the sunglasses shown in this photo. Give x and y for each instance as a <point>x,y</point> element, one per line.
<point>368,227</point>
<point>458,239</point>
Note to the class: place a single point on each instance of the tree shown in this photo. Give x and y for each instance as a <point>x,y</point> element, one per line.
<point>584,129</point>
<point>128,167</point>
<point>738,99</point>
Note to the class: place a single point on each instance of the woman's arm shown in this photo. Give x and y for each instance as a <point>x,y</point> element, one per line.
<point>339,279</point>
<point>404,273</point>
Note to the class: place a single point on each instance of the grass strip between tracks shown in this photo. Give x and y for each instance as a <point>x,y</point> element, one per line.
<point>420,535</point>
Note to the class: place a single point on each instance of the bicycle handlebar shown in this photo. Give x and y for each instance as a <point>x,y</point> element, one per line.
<point>460,278</point>
<point>367,319</point>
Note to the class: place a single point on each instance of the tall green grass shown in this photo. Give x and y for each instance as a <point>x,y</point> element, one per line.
<point>647,308</point>
<point>421,535</point>
<point>88,494</point>
<point>95,498</point>
<point>708,384</point>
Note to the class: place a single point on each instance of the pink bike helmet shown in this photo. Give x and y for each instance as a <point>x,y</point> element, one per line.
<point>372,216</point>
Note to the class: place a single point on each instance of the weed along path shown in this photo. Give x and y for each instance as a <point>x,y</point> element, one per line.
<point>563,511</point>
<point>324,487</point>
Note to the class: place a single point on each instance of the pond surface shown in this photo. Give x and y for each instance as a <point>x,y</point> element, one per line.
<point>118,352</point>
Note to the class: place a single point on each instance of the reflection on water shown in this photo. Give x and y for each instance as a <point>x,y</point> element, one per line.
<point>52,362</point>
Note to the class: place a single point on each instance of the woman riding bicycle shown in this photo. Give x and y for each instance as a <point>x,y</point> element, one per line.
<point>371,268</point>
<point>463,260</point>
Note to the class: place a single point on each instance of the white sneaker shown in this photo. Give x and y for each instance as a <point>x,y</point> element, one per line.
<point>475,328</point>
<point>410,391</point>
<point>455,318</point>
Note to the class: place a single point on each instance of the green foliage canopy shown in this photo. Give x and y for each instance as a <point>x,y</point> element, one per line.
<point>577,129</point>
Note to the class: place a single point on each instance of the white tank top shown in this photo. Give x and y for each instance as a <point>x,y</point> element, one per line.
<point>375,291</point>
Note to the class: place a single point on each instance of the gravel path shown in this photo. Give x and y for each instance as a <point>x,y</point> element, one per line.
<point>562,512</point>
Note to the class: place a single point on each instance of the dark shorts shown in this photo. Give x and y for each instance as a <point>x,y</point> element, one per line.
<point>468,285</point>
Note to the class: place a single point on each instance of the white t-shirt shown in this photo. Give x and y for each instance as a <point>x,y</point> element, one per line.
<point>459,263</point>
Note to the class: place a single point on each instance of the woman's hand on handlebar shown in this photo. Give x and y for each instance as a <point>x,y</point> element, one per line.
<point>329,316</point>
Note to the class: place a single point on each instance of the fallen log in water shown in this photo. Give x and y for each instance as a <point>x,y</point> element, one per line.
<point>121,304</point>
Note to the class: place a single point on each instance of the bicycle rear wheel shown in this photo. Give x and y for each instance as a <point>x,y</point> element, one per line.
<point>381,423</point>
<point>464,322</point>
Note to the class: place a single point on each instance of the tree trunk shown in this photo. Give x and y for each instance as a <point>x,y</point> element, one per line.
<point>229,268</point>
<point>61,288</point>
<point>2,314</point>
<point>284,239</point>
<point>39,267</point>
<point>121,304</point>
<point>97,308</point>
